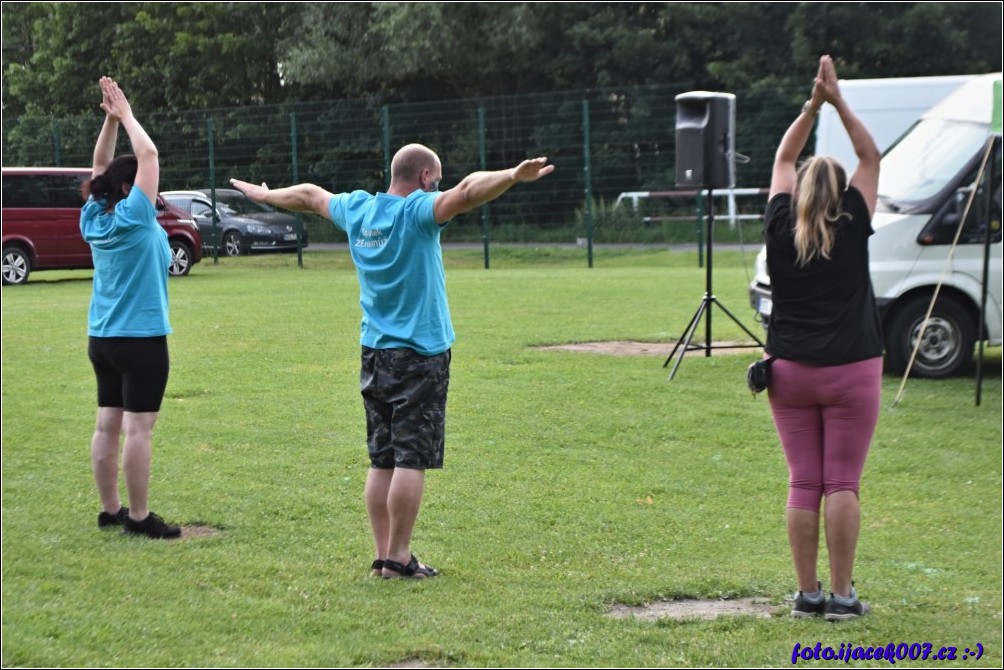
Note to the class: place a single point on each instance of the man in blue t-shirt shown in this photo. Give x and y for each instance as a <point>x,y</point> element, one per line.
<point>406,331</point>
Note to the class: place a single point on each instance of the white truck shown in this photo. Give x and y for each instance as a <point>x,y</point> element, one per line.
<point>925,184</point>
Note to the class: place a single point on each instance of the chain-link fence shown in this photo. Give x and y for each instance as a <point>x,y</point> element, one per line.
<point>603,143</point>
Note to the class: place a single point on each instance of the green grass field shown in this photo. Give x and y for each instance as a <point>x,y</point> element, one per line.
<point>572,482</point>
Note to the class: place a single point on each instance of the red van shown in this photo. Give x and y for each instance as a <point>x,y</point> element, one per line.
<point>41,224</point>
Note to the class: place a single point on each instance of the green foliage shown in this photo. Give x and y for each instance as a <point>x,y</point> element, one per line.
<point>898,39</point>
<point>201,54</point>
<point>572,482</point>
<point>191,55</point>
<point>166,56</point>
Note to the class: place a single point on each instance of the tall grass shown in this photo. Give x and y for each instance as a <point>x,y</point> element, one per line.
<point>571,482</point>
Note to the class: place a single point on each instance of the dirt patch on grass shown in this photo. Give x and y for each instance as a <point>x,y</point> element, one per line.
<point>415,663</point>
<point>695,609</point>
<point>662,349</point>
<point>199,532</point>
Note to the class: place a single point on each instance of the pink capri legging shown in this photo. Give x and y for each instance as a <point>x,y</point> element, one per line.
<point>825,417</point>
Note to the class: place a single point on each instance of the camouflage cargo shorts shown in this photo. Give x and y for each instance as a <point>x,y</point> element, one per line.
<point>404,394</point>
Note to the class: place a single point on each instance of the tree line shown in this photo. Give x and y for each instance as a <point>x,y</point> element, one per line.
<point>193,55</point>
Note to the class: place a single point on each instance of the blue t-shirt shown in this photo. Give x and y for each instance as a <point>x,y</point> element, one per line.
<point>394,243</point>
<point>131,259</point>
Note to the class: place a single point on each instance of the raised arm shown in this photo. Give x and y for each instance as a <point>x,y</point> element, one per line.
<point>783,177</point>
<point>865,177</point>
<point>104,149</point>
<point>299,198</point>
<point>478,188</point>
<point>117,107</point>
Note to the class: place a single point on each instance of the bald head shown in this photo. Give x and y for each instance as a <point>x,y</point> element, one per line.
<point>414,166</point>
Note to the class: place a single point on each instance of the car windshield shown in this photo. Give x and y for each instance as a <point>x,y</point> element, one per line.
<point>239,205</point>
<point>922,163</point>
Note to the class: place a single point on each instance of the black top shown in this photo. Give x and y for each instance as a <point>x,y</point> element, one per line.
<point>824,313</point>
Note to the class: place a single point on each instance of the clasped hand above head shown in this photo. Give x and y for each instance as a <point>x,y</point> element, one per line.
<point>826,87</point>
<point>113,100</point>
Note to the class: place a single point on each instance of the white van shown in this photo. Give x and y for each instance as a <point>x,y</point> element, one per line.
<point>888,107</point>
<point>925,183</point>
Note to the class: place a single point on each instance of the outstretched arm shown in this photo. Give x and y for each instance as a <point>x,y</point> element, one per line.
<point>783,177</point>
<point>299,198</point>
<point>478,188</point>
<point>117,107</point>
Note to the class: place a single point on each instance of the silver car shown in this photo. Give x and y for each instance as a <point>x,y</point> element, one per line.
<point>241,225</point>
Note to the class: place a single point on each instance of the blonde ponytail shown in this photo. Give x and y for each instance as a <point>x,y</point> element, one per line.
<point>821,184</point>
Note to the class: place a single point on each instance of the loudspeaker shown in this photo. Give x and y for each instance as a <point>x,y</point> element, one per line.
<point>705,140</point>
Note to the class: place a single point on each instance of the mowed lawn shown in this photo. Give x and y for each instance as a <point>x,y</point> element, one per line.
<point>573,482</point>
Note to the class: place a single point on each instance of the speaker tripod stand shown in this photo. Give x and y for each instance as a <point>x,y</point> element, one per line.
<point>684,344</point>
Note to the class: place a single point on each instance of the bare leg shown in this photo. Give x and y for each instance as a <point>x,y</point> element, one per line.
<point>403,501</point>
<point>136,461</point>
<point>843,520</point>
<point>803,538</point>
<point>377,488</point>
<point>105,457</point>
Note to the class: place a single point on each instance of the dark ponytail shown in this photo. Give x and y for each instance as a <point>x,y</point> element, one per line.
<point>108,186</point>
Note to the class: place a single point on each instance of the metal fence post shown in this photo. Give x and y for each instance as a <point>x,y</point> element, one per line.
<point>700,229</point>
<point>292,144</point>
<point>57,144</point>
<point>385,122</point>
<point>296,180</point>
<point>211,137</point>
<point>587,210</point>
<point>483,156</point>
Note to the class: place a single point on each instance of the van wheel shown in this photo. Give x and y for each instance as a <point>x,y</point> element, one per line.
<point>181,259</point>
<point>232,245</point>
<point>16,265</point>
<point>947,346</point>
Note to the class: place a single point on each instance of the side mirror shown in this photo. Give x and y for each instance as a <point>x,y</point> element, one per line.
<point>944,225</point>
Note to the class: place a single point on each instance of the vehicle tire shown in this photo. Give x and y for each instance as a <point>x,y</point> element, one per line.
<point>947,347</point>
<point>16,265</point>
<point>232,245</point>
<point>181,259</point>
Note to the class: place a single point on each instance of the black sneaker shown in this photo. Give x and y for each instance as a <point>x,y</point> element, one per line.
<point>804,608</point>
<point>152,526</point>
<point>106,519</point>
<point>834,611</point>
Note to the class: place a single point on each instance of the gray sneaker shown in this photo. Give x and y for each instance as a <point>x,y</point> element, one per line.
<point>805,608</point>
<point>834,611</point>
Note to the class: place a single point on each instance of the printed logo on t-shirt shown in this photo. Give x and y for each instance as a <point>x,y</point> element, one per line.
<point>370,238</point>
<point>105,241</point>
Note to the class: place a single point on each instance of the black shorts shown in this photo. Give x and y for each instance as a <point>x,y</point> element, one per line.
<point>404,394</point>
<point>131,371</point>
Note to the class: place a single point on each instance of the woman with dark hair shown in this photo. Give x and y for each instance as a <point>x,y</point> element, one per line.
<point>825,336</point>
<point>128,318</point>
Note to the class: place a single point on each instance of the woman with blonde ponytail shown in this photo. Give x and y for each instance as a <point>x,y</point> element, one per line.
<point>826,341</point>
